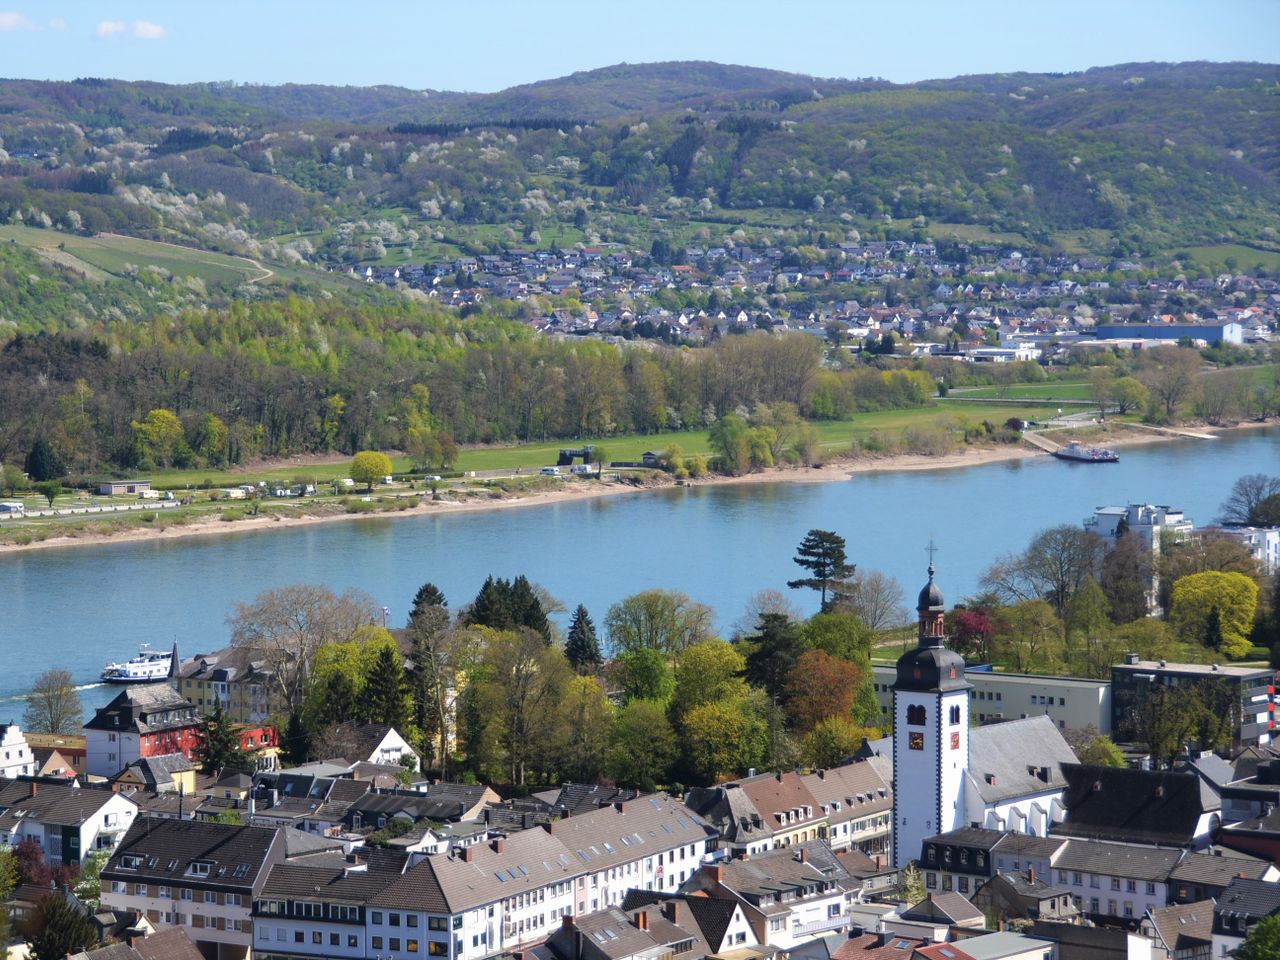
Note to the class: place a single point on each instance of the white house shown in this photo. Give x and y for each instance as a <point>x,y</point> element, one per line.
<point>16,759</point>
<point>68,822</point>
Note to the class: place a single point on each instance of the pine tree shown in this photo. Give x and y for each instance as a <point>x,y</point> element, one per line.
<point>821,552</point>
<point>1213,630</point>
<point>428,597</point>
<point>582,647</point>
<point>339,702</point>
<point>43,463</point>
<point>526,608</point>
<point>492,606</point>
<point>61,930</point>
<point>220,749</point>
<point>384,690</point>
<point>296,744</point>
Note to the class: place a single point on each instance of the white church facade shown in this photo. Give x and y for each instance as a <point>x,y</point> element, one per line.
<point>1005,776</point>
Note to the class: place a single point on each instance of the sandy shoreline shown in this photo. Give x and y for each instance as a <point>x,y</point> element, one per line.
<point>572,490</point>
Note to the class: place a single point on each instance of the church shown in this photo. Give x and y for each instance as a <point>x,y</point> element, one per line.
<point>1004,776</point>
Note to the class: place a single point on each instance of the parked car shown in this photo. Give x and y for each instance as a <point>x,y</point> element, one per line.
<point>551,471</point>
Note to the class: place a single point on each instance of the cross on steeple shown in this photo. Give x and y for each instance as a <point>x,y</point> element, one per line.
<point>931,549</point>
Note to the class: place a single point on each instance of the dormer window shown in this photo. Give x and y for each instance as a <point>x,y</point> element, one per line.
<point>200,868</point>
<point>130,861</point>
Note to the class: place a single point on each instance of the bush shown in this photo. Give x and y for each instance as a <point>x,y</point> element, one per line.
<point>231,516</point>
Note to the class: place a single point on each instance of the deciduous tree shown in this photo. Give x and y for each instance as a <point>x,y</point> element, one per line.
<point>642,745</point>
<point>875,597</point>
<point>1227,599</point>
<point>1254,501</point>
<point>662,620</point>
<point>370,466</point>
<point>53,706</point>
<point>820,686</point>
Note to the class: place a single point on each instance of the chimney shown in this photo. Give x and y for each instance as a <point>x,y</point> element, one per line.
<point>35,788</point>
<point>642,920</point>
<point>822,774</point>
<point>566,922</point>
<point>1131,658</point>
<point>621,807</point>
<point>802,855</point>
<point>496,844</point>
<point>468,854</point>
<point>716,873</point>
<point>1031,875</point>
<point>671,910</point>
<point>779,776</point>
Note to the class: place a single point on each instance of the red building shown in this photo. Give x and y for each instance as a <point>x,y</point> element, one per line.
<point>142,721</point>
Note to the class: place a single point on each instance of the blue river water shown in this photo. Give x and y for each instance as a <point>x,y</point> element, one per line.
<point>80,606</point>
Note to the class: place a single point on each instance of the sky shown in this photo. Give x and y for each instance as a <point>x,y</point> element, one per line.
<point>488,45</point>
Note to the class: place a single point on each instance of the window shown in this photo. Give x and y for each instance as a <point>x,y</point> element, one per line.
<point>1130,886</point>
<point>1115,883</point>
<point>317,937</point>
<point>186,894</point>
<point>139,889</point>
<point>916,715</point>
<point>963,884</point>
<point>411,946</point>
<point>210,897</point>
<point>297,936</point>
<point>457,923</point>
<point>333,940</point>
<point>437,949</point>
<point>411,920</point>
<point>437,923</point>
<point>352,940</point>
<point>119,886</point>
<point>375,942</point>
<point>377,917</point>
<point>931,880</point>
<point>1151,889</point>
<point>394,919</point>
<point>394,944</point>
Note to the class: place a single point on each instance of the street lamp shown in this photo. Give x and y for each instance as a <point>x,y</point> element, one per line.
<point>386,612</point>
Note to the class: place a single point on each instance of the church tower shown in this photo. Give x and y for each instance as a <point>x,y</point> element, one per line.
<point>930,734</point>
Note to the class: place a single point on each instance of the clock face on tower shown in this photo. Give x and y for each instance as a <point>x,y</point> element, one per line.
<point>915,741</point>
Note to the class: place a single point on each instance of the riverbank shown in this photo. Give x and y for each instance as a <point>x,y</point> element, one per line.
<point>575,488</point>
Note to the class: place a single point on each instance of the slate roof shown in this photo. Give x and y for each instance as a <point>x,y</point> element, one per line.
<point>943,908</point>
<point>56,805</point>
<point>1217,871</point>
<point>1028,845</point>
<point>1005,759</point>
<point>868,947</point>
<point>730,812</point>
<point>980,838</point>
<point>159,771</point>
<point>1137,806</point>
<point>167,943</point>
<point>290,881</point>
<point>860,788</point>
<point>1119,860</point>
<point>234,664</point>
<point>237,855</point>
<point>1249,898</point>
<point>142,709</point>
<point>582,797</point>
<point>769,876</point>
<point>1184,926</point>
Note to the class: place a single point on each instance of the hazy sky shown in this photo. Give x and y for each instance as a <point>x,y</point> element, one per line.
<point>491,44</point>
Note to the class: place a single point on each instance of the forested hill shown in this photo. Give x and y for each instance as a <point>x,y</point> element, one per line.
<point>1135,160</point>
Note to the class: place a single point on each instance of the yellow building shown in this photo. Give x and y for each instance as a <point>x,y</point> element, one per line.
<point>239,678</point>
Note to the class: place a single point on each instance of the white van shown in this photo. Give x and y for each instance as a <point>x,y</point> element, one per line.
<point>551,471</point>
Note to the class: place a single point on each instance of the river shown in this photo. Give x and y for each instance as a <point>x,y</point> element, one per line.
<point>79,606</point>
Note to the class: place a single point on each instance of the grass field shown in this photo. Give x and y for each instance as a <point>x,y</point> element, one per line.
<point>1065,390</point>
<point>1243,257</point>
<point>833,435</point>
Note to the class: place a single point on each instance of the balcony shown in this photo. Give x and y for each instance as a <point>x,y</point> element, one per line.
<point>818,926</point>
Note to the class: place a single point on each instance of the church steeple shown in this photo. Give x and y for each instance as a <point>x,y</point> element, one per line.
<point>932,610</point>
<point>931,665</point>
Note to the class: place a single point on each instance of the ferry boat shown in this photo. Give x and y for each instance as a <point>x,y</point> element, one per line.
<point>149,666</point>
<point>1081,454</point>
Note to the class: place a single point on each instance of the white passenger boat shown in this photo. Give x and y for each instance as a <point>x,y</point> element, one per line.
<point>149,666</point>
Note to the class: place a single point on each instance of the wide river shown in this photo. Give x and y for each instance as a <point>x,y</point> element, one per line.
<point>79,606</point>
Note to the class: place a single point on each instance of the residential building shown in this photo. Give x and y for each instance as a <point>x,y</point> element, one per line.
<point>1116,881</point>
<point>934,917</point>
<point>16,759</point>
<point>1206,876</point>
<point>1183,931</point>
<point>760,812</point>
<point>1157,807</point>
<point>647,933</point>
<point>1151,524</point>
<point>788,896</point>
<point>721,923</point>
<point>239,678</point>
<point>1025,895</point>
<point>69,747</point>
<point>68,822</point>
<point>172,943</point>
<point>1263,544</point>
<point>1238,911</point>
<point>857,802</point>
<point>1253,688</point>
<point>1072,703</point>
<point>203,877</point>
<point>142,721</point>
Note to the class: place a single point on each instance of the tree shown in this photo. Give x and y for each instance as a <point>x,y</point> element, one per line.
<point>1032,639</point>
<point>1170,376</point>
<point>49,489</point>
<point>723,738</point>
<point>707,672</point>
<point>57,929</point>
<point>441,658</point>
<point>582,722</point>
<point>910,884</point>
<point>1224,601</point>
<point>840,634</point>
<point>972,632</point>
<point>645,675</point>
<point>821,552</point>
<point>53,705</point>
<point>492,605</point>
<point>1263,941</point>
<point>1101,751</point>
<point>385,698</point>
<point>1055,564</point>
<point>1254,502</point>
<point>1126,578</point>
<point>370,466</point>
<point>159,436</point>
<point>219,748</point>
<point>819,687</point>
<point>287,626</point>
<point>582,648</point>
<point>834,740</point>
<point>1128,394</point>
<point>43,463</point>
<point>428,597</point>
<point>642,745</point>
<point>88,886</point>
<point>11,478</point>
<point>772,654</point>
<point>662,620</point>
<point>876,598</point>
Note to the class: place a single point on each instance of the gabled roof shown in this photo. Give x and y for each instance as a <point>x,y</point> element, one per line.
<point>1119,860</point>
<point>947,908</point>
<point>1136,806</point>
<point>55,805</point>
<point>859,788</point>
<point>1184,926</point>
<point>234,664</point>
<point>1017,758</point>
<point>1218,870</point>
<point>780,793</point>
<point>143,709</point>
